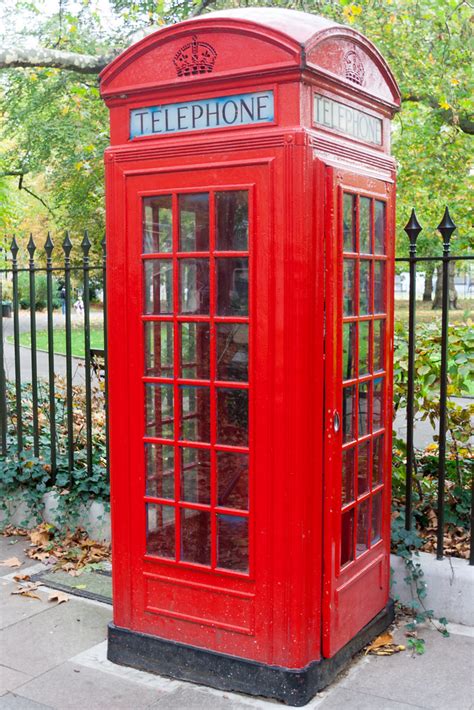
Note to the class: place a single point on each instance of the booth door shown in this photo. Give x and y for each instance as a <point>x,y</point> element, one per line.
<point>184,484</point>
<point>359,288</point>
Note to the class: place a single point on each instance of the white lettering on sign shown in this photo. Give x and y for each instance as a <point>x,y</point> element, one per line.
<point>346,119</point>
<point>219,112</point>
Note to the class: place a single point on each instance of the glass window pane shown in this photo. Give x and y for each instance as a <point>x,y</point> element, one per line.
<point>232,287</point>
<point>158,349</point>
<point>377,406</point>
<point>195,413</point>
<point>194,222</point>
<point>232,222</point>
<point>362,527</point>
<point>363,468</point>
<point>232,479</point>
<point>378,463</point>
<point>363,408</point>
<point>348,413</point>
<point>349,331</point>
<point>160,530</point>
<point>347,536</point>
<point>347,475</point>
<point>376,526</point>
<point>195,350</point>
<point>379,227</point>
<point>349,287</point>
<point>157,225</point>
<point>233,543</point>
<point>158,286</point>
<point>196,475</point>
<point>364,347</point>
<point>349,203</point>
<point>159,411</point>
<point>194,286</point>
<point>159,471</point>
<point>232,341</point>
<point>195,536</point>
<point>379,345</point>
<point>365,240</point>
<point>232,416</point>
<point>379,287</point>
<point>365,303</point>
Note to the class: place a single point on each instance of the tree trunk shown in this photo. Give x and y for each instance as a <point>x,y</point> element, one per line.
<point>428,287</point>
<point>453,296</point>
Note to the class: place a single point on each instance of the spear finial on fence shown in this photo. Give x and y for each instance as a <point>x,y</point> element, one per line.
<point>413,228</point>
<point>14,248</point>
<point>31,247</point>
<point>49,246</point>
<point>446,227</point>
<point>67,245</point>
<point>85,244</point>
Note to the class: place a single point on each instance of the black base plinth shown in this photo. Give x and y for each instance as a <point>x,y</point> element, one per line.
<point>294,687</point>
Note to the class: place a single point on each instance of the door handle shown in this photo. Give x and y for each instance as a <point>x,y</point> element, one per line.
<point>336,421</point>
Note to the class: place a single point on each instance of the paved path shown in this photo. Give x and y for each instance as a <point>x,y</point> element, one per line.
<point>54,657</point>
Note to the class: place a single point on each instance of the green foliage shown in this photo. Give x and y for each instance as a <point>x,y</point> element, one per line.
<point>41,291</point>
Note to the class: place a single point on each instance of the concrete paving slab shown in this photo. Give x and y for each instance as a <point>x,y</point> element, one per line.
<point>15,608</point>
<point>37,644</point>
<point>356,700</point>
<point>192,697</point>
<point>443,677</point>
<point>11,679</point>
<point>16,702</point>
<point>73,687</point>
<point>13,546</point>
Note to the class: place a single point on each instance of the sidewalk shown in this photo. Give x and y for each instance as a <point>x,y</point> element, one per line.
<point>54,656</point>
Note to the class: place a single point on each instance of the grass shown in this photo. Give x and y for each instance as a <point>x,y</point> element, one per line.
<point>425,313</point>
<point>59,339</point>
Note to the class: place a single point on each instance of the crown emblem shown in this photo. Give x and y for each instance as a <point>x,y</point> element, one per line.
<point>195,58</point>
<point>354,68</point>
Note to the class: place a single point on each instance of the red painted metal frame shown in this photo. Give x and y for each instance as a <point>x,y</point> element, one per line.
<point>287,611</point>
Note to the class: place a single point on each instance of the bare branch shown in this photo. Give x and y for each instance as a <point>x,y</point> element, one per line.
<point>58,59</point>
<point>199,9</point>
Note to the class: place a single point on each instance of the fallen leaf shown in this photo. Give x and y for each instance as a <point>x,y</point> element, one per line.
<point>58,597</point>
<point>28,591</point>
<point>11,562</point>
<point>22,578</point>
<point>384,646</point>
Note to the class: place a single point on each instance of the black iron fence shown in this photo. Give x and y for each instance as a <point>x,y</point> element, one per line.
<point>69,279</point>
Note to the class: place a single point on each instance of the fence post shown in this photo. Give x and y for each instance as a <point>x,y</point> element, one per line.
<point>446,227</point>
<point>16,345</point>
<point>31,247</point>
<point>412,228</point>
<point>3,384</point>
<point>48,247</point>
<point>67,246</point>
<point>86,245</point>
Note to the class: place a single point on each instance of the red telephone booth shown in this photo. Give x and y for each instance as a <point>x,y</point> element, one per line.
<point>250,204</point>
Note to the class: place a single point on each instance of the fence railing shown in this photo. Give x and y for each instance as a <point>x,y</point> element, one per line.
<point>68,284</point>
<point>446,229</point>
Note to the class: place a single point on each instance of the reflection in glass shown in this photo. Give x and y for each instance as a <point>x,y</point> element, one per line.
<point>195,413</point>
<point>349,331</point>
<point>379,287</point>
<point>379,345</point>
<point>232,479</point>
<point>364,226</point>
<point>347,475</point>
<point>194,222</point>
<point>232,340</point>
<point>158,286</point>
<point>194,286</point>
<point>232,416</point>
<point>377,408</point>
<point>376,517</point>
<point>160,530</point>
<point>159,471</point>
<point>364,349</point>
<point>195,536</point>
<point>364,287</point>
<point>232,223</point>
<point>348,412</point>
<point>195,350</point>
<point>232,287</point>
<point>377,466</point>
<point>363,408</point>
<point>158,349</point>
<point>196,475</point>
<point>362,527</point>
<point>159,411</point>
<point>349,222</point>
<point>379,227</point>
<point>363,468</point>
<point>233,543</point>
<point>157,225</point>
<point>349,287</point>
<point>347,536</point>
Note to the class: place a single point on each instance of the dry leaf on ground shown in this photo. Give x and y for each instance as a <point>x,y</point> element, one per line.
<point>58,597</point>
<point>28,591</point>
<point>11,562</point>
<point>384,646</point>
<point>22,578</point>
